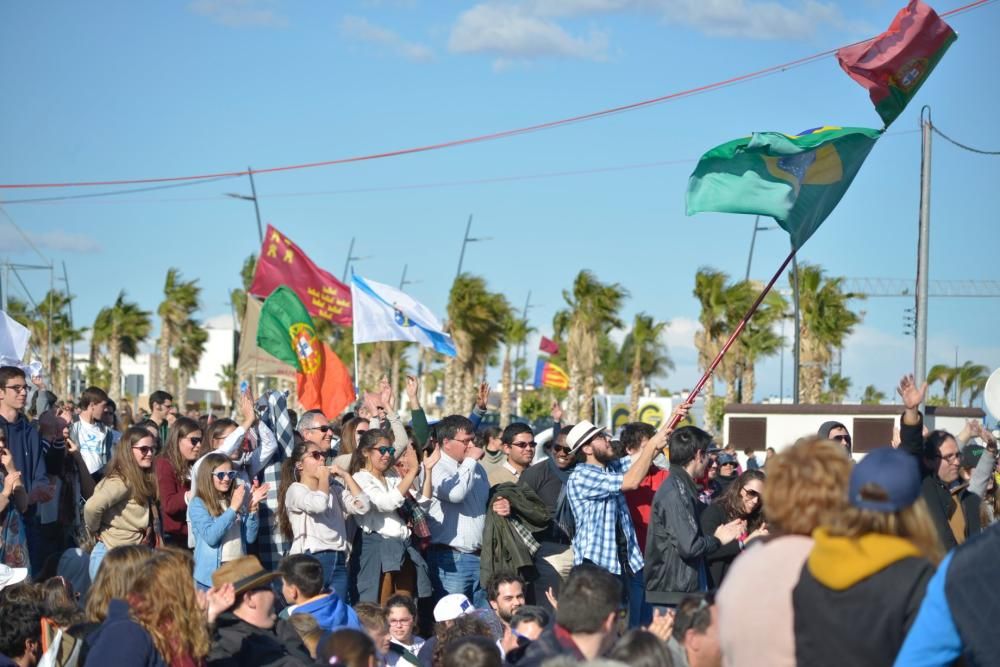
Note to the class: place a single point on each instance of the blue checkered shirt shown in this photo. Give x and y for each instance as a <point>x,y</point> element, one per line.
<point>596,498</point>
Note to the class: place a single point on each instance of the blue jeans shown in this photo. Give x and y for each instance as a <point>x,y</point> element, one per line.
<point>334,571</point>
<point>455,572</point>
<point>96,556</point>
<point>640,614</point>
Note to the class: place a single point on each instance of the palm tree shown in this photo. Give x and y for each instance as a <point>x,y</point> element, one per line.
<point>179,303</point>
<point>710,290</point>
<point>593,308</point>
<point>826,321</point>
<point>649,356</point>
<point>972,378</point>
<point>872,396</point>
<point>476,319</point>
<point>516,330</point>
<point>944,374</point>
<point>759,340</point>
<point>227,383</point>
<point>838,386</point>
<point>239,297</point>
<point>50,328</point>
<point>189,350</point>
<point>123,327</point>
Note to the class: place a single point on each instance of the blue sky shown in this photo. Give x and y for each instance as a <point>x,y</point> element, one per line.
<point>111,90</point>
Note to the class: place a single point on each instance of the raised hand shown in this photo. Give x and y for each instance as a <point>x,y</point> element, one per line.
<point>412,392</point>
<point>911,394</point>
<point>550,595</point>
<point>432,459</point>
<point>483,395</point>
<point>258,494</point>
<point>662,625</point>
<point>7,460</point>
<point>557,412</point>
<point>218,600</point>
<point>387,397</point>
<point>246,409</point>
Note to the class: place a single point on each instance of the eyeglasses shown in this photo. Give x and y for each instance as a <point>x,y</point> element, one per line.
<point>561,449</point>
<point>17,388</point>
<point>222,475</point>
<point>846,439</point>
<point>751,493</point>
<point>320,456</point>
<point>400,621</point>
<point>524,445</point>
<point>324,428</point>
<point>145,450</point>
<point>464,441</point>
<point>194,441</point>
<point>949,457</point>
<point>386,450</point>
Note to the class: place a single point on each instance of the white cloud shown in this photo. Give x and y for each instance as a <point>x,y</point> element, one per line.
<point>680,334</point>
<point>514,34</point>
<point>57,240</point>
<point>361,29</point>
<point>240,13</point>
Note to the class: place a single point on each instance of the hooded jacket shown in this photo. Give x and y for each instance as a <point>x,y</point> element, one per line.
<point>25,446</point>
<point>856,599</point>
<point>236,643</point>
<point>330,613</point>
<point>675,545</point>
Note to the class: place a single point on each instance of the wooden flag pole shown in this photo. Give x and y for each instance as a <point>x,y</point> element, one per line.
<point>732,338</point>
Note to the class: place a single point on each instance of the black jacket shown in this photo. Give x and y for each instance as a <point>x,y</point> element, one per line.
<point>675,544</point>
<point>940,503</point>
<point>856,599</point>
<point>720,558</point>
<point>553,642</point>
<point>236,643</point>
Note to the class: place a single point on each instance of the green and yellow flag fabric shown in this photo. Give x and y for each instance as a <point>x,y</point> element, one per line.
<point>797,179</point>
<point>286,332</point>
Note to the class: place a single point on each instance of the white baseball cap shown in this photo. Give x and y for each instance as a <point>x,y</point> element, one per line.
<point>451,607</point>
<point>12,575</point>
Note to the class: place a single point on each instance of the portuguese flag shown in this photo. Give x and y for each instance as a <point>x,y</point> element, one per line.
<point>286,332</point>
<point>895,64</point>
<point>797,179</point>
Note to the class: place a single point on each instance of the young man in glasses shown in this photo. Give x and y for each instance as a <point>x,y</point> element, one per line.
<point>518,444</point>
<point>25,445</point>
<point>547,478</point>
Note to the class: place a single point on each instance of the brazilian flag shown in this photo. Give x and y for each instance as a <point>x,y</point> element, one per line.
<point>797,179</point>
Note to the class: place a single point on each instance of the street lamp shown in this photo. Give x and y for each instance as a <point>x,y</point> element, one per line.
<point>757,227</point>
<point>403,282</point>
<point>251,197</point>
<point>351,257</point>
<point>465,241</point>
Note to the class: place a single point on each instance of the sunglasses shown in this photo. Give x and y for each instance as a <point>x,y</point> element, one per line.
<point>751,493</point>
<point>846,439</point>
<point>195,441</point>
<point>524,445</point>
<point>561,449</point>
<point>223,475</point>
<point>145,450</point>
<point>386,450</point>
<point>320,456</point>
<point>323,429</point>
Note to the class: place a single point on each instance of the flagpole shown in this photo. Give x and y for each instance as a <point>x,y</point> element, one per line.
<point>732,338</point>
<point>357,371</point>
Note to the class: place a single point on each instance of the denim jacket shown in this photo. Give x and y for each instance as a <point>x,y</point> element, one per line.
<point>209,533</point>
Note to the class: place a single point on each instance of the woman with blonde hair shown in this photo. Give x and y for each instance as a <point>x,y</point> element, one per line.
<point>123,508</point>
<point>866,575</point>
<point>221,527</point>
<point>806,486</point>
<point>159,623</point>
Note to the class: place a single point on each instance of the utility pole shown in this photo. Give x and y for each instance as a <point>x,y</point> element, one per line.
<point>351,257</point>
<point>465,241</point>
<point>753,240</point>
<point>798,333</point>
<point>923,249</point>
<point>256,206</point>
<point>521,348</point>
<point>70,382</point>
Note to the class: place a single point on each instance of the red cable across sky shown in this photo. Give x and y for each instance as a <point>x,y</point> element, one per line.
<point>480,138</point>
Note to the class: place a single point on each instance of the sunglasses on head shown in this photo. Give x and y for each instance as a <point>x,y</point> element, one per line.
<point>386,450</point>
<point>223,475</point>
<point>145,450</point>
<point>320,456</point>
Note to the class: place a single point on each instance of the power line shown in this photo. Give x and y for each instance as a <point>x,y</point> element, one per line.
<point>486,137</point>
<point>961,145</point>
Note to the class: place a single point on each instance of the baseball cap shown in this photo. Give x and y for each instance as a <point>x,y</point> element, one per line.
<point>893,472</point>
<point>451,607</point>
<point>726,458</point>
<point>12,575</point>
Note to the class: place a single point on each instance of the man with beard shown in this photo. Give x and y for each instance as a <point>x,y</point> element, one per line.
<point>547,478</point>
<point>605,535</point>
<point>505,593</point>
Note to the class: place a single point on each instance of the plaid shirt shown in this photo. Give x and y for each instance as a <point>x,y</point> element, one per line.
<point>273,410</point>
<point>595,495</point>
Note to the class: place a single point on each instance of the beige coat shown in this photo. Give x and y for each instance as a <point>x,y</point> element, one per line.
<point>113,516</point>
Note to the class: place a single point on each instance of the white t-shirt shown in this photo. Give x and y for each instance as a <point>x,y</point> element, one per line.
<point>91,442</point>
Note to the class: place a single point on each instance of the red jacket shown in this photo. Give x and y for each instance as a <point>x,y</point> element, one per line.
<point>640,502</point>
<point>173,507</point>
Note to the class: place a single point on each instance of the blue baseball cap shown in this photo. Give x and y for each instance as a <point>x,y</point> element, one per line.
<point>894,472</point>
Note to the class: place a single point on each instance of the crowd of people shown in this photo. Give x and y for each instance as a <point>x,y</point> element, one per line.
<point>277,539</point>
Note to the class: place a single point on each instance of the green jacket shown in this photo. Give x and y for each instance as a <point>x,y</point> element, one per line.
<point>504,550</point>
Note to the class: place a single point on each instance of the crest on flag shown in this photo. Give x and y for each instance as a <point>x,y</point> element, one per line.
<point>401,318</point>
<point>306,347</point>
